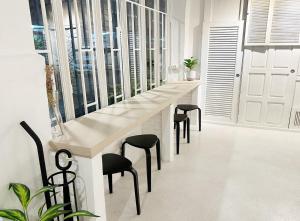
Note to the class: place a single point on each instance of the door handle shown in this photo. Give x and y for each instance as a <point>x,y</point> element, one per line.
<point>293,71</point>
<point>237,75</point>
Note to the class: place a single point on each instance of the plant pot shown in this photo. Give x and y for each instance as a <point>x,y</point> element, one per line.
<point>191,75</point>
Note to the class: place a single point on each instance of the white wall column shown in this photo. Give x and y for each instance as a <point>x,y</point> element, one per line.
<point>23,97</point>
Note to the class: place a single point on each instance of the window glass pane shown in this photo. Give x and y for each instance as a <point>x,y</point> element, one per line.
<point>118,73</point>
<point>150,47</point>
<point>114,12</point>
<point>152,32</point>
<point>109,76</point>
<point>80,53</point>
<point>148,51</point>
<point>162,47</point>
<point>163,5</point>
<point>152,66</point>
<point>37,25</point>
<point>88,74</point>
<point>112,49</point>
<point>138,70</point>
<point>133,27</point>
<point>73,55</point>
<point>131,48</point>
<point>136,17</point>
<point>149,3</point>
<point>92,109</point>
<point>84,23</point>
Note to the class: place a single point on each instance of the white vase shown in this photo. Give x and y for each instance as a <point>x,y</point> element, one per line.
<point>57,128</point>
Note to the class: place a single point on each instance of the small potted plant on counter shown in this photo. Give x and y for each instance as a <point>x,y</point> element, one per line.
<point>190,64</point>
<point>23,194</point>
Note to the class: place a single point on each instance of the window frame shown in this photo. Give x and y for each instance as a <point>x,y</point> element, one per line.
<point>96,50</point>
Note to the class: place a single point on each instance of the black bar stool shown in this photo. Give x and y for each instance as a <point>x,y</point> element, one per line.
<point>186,120</point>
<point>146,142</point>
<point>189,107</point>
<point>114,163</point>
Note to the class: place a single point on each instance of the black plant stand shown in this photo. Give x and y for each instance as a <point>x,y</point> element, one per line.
<point>67,177</point>
<point>66,180</point>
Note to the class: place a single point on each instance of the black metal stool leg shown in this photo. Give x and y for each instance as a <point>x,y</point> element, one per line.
<point>110,185</point>
<point>177,137</point>
<point>199,116</point>
<point>158,155</point>
<point>123,154</point>
<point>188,130</point>
<point>136,189</point>
<point>176,110</point>
<point>148,166</point>
<point>184,126</point>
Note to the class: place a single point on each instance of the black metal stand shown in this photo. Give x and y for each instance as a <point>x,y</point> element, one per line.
<point>40,150</point>
<point>64,179</point>
<point>67,177</point>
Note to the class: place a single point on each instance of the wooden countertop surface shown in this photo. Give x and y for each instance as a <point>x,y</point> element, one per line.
<point>90,134</point>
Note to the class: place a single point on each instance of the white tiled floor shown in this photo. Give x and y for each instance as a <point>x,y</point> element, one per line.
<point>225,174</point>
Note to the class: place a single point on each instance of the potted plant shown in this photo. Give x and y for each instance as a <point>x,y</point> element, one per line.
<point>23,194</point>
<point>190,64</point>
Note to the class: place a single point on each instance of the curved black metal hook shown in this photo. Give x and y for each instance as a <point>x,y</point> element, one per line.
<point>63,151</point>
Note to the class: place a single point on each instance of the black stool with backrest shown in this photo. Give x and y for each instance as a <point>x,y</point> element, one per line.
<point>146,142</point>
<point>114,163</point>
<point>189,107</point>
<point>186,128</point>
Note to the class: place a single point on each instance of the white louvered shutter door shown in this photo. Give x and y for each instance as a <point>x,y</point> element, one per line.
<point>257,21</point>
<point>285,22</point>
<point>273,22</point>
<point>223,63</point>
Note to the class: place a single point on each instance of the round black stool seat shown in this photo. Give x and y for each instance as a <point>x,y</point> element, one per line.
<point>145,141</point>
<point>187,107</point>
<point>114,163</point>
<point>180,117</point>
<point>142,141</point>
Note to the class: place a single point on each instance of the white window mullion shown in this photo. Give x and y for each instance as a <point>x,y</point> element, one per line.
<point>63,60</point>
<point>112,47</point>
<point>124,46</point>
<point>46,29</point>
<point>139,49</point>
<point>150,48</point>
<point>102,81</point>
<point>119,36</point>
<point>92,52</point>
<point>156,44</point>
<point>143,47</point>
<point>79,41</point>
<point>167,44</point>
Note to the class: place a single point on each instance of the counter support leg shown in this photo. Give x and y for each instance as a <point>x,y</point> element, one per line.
<point>167,141</point>
<point>90,173</point>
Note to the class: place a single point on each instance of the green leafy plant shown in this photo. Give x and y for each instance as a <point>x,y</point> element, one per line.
<point>190,63</point>
<point>23,194</point>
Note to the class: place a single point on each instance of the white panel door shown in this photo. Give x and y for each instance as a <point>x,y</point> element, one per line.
<point>221,68</point>
<point>268,85</point>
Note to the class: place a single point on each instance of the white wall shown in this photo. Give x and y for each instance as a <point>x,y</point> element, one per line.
<point>177,18</point>
<point>193,29</point>
<point>222,10</point>
<point>199,11</point>
<point>23,97</point>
